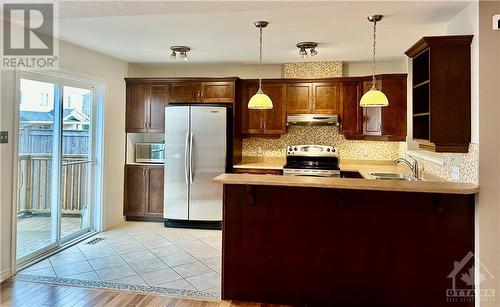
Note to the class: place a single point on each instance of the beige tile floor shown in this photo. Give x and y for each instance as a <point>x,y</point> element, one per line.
<point>141,253</point>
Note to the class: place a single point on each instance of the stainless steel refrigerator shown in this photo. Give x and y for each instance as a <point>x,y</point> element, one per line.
<point>196,143</point>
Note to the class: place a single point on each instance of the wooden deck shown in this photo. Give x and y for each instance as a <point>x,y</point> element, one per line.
<point>21,293</point>
<point>33,232</point>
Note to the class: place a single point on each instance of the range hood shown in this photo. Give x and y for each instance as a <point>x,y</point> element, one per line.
<point>313,119</point>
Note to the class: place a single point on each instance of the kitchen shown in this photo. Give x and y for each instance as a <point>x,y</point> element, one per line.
<point>219,181</point>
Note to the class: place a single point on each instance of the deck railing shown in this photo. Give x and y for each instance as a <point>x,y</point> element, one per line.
<point>35,173</point>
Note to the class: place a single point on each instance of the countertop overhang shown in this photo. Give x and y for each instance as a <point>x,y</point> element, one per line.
<point>440,187</point>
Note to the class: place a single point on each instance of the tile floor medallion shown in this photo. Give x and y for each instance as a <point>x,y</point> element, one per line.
<point>139,256</point>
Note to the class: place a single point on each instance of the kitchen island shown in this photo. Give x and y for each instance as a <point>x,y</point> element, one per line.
<point>343,242</point>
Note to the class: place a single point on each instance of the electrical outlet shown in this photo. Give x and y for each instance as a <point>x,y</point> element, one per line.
<point>455,173</point>
<point>4,137</point>
<point>496,22</point>
<point>259,151</point>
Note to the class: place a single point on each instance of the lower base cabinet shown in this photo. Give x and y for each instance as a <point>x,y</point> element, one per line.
<point>143,199</point>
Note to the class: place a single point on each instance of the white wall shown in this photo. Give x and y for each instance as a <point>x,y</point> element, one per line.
<point>361,69</point>
<point>488,200</point>
<point>203,70</point>
<point>85,64</point>
<point>467,23</point>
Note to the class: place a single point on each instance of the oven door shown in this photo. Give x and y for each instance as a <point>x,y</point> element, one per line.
<point>310,172</point>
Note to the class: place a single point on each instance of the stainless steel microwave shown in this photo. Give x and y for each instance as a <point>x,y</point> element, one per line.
<point>149,152</point>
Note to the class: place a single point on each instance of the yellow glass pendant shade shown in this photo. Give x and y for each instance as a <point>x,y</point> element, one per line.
<point>374,98</point>
<point>260,101</point>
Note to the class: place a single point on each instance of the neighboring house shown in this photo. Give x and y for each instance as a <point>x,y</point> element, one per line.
<point>72,120</point>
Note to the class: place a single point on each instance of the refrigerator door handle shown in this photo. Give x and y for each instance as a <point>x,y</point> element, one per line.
<point>186,158</point>
<point>191,158</point>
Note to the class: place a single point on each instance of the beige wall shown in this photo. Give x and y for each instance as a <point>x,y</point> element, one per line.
<point>85,64</point>
<point>361,69</point>
<point>203,70</point>
<point>488,200</point>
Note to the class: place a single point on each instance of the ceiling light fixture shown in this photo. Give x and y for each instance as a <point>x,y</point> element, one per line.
<point>307,45</point>
<point>182,50</point>
<point>260,100</point>
<point>374,97</point>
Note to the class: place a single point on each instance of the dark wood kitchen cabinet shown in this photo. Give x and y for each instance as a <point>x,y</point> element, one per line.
<point>375,123</point>
<point>264,122</point>
<point>313,97</point>
<point>145,106</point>
<point>144,186</point>
<point>351,114</point>
<point>210,92</point>
<point>441,92</point>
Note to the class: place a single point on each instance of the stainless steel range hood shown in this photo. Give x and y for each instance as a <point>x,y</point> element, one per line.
<point>313,119</point>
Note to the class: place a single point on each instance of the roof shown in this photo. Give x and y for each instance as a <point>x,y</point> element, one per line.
<point>69,115</point>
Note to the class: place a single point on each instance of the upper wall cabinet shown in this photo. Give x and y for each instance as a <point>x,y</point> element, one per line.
<point>145,106</point>
<point>374,123</point>
<point>212,92</point>
<point>441,92</point>
<point>313,98</point>
<point>264,122</point>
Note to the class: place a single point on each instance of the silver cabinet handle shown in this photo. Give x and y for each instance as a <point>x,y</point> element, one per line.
<point>186,158</point>
<point>191,158</point>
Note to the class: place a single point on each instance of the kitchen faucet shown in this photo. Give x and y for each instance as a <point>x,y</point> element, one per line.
<point>413,167</point>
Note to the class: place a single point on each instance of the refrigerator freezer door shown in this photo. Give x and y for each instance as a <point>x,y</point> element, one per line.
<point>208,156</point>
<point>176,163</point>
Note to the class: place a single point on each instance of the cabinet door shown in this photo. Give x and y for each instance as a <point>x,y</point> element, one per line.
<point>252,120</point>
<point>218,92</point>
<point>135,197</point>
<point>155,191</point>
<point>372,116</point>
<point>275,119</point>
<point>157,102</point>
<point>394,116</point>
<point>136,109</point>
<point>326,97</point>
<point>351,113</point>
<point>299,98</point>
<point>185,92</point>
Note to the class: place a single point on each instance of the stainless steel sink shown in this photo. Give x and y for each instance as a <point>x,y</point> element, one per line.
<point>391,176</point>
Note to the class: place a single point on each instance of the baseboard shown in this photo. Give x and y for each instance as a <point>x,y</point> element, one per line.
<point>114,223</point>
<point>5,275</point>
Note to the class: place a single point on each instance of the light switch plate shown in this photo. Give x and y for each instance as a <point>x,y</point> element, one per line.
<point>4,137</point>
<point>455,173</point>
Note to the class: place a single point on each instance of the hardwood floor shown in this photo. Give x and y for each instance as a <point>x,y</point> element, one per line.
<point>32,294</point>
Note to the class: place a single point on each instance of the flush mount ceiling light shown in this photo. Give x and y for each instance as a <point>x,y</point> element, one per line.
<point>182,50</point>
<point>303,46</point>
<point>260,100</point>
<point>374,97</point>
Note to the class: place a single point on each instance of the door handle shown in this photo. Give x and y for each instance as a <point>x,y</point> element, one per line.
<point>20,183</point>
<point>191,158</point>
<point>186,158</point>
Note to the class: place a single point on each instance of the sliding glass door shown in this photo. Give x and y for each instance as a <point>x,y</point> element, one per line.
<point>56,158</point>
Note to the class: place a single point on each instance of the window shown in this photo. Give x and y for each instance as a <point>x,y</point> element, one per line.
<point>44,99</point>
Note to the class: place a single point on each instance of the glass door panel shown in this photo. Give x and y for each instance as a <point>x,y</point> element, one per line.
<point>77,161</point>
<point>37,213</point>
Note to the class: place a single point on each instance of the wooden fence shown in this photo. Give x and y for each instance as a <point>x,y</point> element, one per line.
<point>35,173</point>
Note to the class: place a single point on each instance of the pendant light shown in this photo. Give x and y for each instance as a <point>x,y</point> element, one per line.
<point>260,100</point>
<point>374,97</point>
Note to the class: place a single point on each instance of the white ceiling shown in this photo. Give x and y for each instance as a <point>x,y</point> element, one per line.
<point>223,31</point>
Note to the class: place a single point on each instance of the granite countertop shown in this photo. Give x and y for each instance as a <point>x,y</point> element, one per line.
<point>351,184</point>
<point>429,183</point>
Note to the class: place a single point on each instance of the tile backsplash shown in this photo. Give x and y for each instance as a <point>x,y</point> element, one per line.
<point>312,70</point>
<point>467,163</point>
<point>320,135</point>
